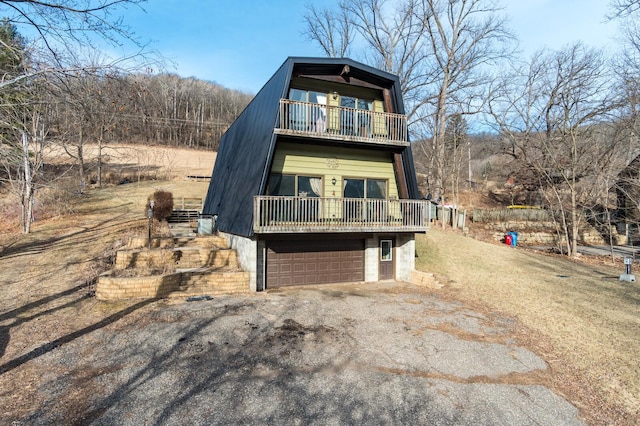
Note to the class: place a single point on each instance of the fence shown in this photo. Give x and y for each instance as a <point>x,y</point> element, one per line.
<point>187,204</point>
<point>510,215</point>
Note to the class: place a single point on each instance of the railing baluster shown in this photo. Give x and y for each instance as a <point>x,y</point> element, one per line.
<point>327,214</point>
<point>329,121</point>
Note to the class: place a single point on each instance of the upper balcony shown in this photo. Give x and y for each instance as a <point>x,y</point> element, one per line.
<point>346,124</point>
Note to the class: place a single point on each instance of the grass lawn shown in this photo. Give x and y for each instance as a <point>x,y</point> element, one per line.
<point>579,317</point>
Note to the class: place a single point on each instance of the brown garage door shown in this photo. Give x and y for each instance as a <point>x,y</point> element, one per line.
<point>314,262</point>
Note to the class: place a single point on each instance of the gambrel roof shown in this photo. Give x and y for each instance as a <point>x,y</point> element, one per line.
<point>247,148</point>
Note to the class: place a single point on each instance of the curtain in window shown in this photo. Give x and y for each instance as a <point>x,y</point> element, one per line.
<point>316,186</point>
<point>321,121</point>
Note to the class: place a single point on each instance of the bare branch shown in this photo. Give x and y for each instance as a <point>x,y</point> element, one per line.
<point>330,29</point>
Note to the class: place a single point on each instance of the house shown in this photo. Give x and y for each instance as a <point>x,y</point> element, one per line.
<point>627,190</point>
<point>315,183</point>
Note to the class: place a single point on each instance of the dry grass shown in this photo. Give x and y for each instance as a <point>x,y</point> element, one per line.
<point>586,322</point>
<point>48,278</point>
<point>141,162</point>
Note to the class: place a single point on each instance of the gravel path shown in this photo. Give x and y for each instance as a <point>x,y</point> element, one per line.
<point>385,353</point>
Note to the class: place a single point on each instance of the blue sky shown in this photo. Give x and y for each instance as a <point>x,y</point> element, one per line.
<point>240,43</point>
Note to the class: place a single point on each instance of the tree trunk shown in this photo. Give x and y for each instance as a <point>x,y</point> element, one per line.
<point>27,187</point>
<point>81,161</point>
<point>574,224</point>
<point>438,142</point>
<point>99,178</point>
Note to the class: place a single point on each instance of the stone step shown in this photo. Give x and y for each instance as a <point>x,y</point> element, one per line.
<point>196,257</point>
<point>184,241</point>
<point>211,241</point>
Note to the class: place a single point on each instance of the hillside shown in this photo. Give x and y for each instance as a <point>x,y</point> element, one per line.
<point>578,317</point>
<point>58,191</point>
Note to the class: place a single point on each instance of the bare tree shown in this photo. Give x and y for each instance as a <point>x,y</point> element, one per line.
<point>168,109</point>
<point>62,27</point>
<point>624,8</point>
<point>555,112</point>
<point>466,37</point>
<point>392,35</point>
<point>627,70</point>
<point>21,123</point>
<point>441,51</point>
<point>22,161</point>
<point>61,24</point>
<point>331,29</point>
<point>458,151</point>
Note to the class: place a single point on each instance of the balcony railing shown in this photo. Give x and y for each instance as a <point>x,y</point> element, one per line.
<point>273,214</point>
<point>349,124</point>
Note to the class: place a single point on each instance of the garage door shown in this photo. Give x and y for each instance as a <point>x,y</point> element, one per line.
<point>314,262</point>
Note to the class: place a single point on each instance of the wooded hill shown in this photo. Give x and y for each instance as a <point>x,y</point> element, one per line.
<point>163,109</point>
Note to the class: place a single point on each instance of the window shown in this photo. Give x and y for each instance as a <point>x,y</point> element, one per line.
<point>365,188</point>
<point>308,96</point>
<point>282,185</point>
<point>306,208</point>
<point>356,103</point>
<point>353,121</point>
<point>386,250</point>
<point>306,117</point>
<point>354,188</point>
<point>292,185</point>
<point>369,190</point>
<point>298,95</point>
<point>376,188</point>
<point>309,186</point>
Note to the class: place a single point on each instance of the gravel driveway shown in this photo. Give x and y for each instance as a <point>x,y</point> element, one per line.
<point>385,353</point>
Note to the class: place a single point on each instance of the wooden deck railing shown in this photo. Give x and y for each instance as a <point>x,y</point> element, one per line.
<point>274,214</point>
<point>186,203</point>
<point>332,122</point>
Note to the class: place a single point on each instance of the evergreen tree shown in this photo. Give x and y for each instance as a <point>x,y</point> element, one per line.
<point>12,51</point>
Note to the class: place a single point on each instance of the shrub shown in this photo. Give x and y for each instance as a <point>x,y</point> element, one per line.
<point>163,204</point>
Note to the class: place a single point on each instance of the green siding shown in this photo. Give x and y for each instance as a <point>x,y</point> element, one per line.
<point>379,122</point>
<point>313,160</point>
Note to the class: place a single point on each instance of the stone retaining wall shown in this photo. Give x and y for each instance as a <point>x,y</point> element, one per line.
<point>171,285</point>
<point>205,266</point>
<point>424,279</point>
<point>156,242</point>
<point>208,241</point>
<point>128,259</point>
<point>120,288</point>
<point>132,259</point>
<point>542,233</point>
